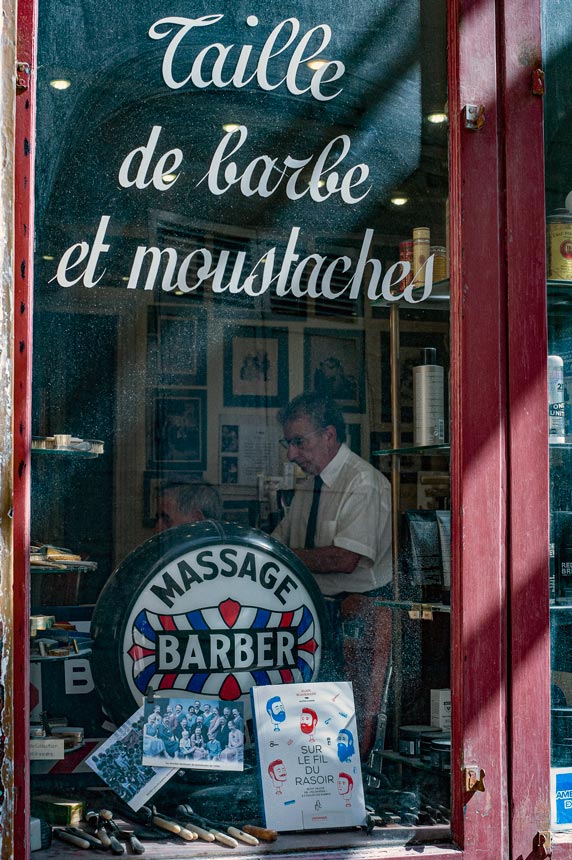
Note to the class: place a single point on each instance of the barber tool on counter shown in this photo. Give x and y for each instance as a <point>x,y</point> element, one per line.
<point>250,834</point>
<point>133,837</point>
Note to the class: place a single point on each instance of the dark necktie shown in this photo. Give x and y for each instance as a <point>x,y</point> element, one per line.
<point>313,518</point>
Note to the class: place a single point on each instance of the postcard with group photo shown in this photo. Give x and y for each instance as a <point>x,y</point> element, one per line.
<point>194,733</point>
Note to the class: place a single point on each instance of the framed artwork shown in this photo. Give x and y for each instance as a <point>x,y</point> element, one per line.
<point>249,446</point>
<point>229,438</point>
<point>178,429</point>
<point>255,366</point>
<point>177,345</point>
<point>334,365</point>
<point>229,470</point>
<point>411,344</point>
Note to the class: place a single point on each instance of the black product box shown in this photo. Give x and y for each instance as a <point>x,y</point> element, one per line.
<point>561,537</point>
<point>422,564</point>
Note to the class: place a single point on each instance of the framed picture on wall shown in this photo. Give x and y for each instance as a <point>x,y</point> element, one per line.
<point>411,344</point>
<point>255,366</point>
<point>178,429</point>
<point>334,365</point>
<point>177,345</point>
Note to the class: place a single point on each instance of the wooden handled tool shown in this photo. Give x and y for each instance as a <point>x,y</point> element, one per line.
<point>242,836</point>
<point>201,832</point>
<point>107,817</point>
<point>103,837</point>
<point>94,842</point>
<point>135,845</point>
<point>173,827</point>
<point>262,833</point>
<point>98,829</point>
<point>212,828</point>
<point>115,845</point>
<point>187,813</point>
<point>224,838</point>
<point>64,836</point>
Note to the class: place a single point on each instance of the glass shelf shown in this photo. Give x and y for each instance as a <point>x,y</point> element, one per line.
<point>439,298</point>
<point>54,658</point>
<point>85,448</point>
<point>429,450</point>
<point>559,292</point>
<point>414,605</point>
<point>68,568</point>
<point>65,452</point>
<point>416,763</point>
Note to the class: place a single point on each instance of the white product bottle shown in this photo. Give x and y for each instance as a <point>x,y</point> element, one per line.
<point>428,400</point>
<point>556,429</point>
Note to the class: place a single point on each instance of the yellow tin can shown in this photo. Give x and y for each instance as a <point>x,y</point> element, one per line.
<point>421,245</point>
<point>440,263</point>
<point>559,245</point>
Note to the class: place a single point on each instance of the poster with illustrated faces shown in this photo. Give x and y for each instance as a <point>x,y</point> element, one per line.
<point>194,733</point>
<point>308,756</point>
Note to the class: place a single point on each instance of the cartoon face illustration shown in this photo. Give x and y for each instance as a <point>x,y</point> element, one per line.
<point>276,711</point>
<point>345,786</point>
<point>308,720</point>
<point>346,748</point>
<point>277,773</point>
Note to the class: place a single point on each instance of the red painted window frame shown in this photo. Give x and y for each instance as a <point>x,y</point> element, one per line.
<point>487,301</point>
<point>16,820</point>
<point>528,474</point>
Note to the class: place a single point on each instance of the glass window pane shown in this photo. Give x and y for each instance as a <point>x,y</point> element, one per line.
<point>233,211</point>
<point>557,32</point>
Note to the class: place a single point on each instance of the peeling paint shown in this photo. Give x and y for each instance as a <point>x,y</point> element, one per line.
<point>7,184</point>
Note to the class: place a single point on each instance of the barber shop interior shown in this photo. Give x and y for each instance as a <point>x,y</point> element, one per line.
<point>240,560</point>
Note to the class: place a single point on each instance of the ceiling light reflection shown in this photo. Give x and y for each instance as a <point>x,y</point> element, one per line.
<point>316,64</point>
<point>437,117</point>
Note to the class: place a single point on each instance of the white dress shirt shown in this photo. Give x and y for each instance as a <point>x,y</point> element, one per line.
<point>354,513</point>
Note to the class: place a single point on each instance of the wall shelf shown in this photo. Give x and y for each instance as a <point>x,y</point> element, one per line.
<point>428,450</point>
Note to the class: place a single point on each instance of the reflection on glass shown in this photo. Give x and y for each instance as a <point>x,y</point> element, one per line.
<point>557,35</point>
<point>234,210</point>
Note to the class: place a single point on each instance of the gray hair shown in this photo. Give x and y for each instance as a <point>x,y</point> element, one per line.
<point>320,409</point>
<point>199,496</point>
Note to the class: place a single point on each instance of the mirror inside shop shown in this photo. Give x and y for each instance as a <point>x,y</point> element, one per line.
<point>240,558</point>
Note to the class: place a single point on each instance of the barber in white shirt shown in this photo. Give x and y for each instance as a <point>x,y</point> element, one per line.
<point>339,522</point>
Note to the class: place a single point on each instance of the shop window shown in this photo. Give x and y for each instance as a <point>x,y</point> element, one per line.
<point>556,39</point>
<point>233,211</point>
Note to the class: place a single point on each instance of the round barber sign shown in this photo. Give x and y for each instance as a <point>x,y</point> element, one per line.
<point>206,609</point>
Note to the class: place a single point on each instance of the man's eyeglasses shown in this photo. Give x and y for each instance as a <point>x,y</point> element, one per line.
<point>298,441</point>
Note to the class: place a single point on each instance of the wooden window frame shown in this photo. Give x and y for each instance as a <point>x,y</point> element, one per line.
<point>497,396</point>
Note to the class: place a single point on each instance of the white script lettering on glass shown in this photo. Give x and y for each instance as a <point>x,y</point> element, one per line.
<point>227,71</point>
<point>311,276</point>
<point>251,181</point>
<point>315,275</point>
<point>136,170</point>
<point>167,164</point>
